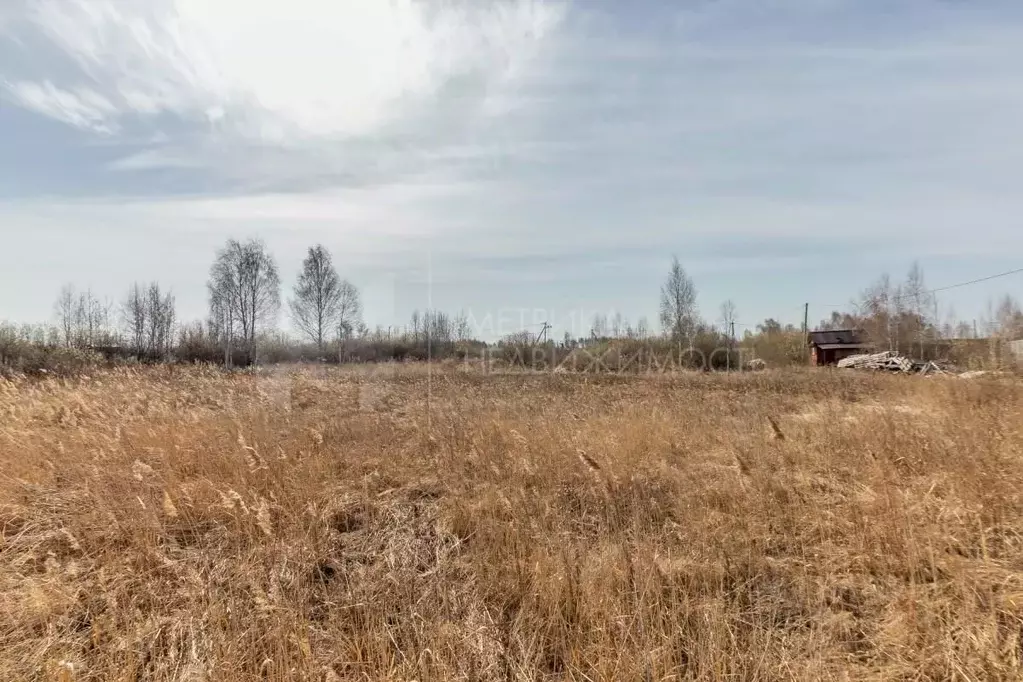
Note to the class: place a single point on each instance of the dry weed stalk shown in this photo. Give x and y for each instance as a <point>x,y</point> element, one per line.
<point>776,431</point>
<point>135,543</point>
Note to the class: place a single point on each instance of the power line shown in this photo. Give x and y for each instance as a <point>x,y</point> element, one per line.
<point>977,281</point>
<point>937,290</point>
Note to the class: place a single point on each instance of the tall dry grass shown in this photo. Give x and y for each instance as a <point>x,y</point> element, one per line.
<point>188,525</point>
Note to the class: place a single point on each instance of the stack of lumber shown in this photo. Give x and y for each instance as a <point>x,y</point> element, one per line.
<point>928,368</point>
<point>888,360</point>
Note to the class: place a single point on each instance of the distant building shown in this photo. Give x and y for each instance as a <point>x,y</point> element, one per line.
<point>828,347</point>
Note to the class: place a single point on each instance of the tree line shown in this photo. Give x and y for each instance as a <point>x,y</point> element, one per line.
<point>901,316</point>
<point>245,302</point>
<point>241,326</point>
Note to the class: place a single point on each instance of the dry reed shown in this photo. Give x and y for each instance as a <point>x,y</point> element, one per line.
<point>182,524</point>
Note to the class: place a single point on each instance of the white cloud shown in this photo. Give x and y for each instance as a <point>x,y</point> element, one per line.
<point>274,71</point>
<point>512,143</point>
<point>151,159</point>
<point>292,94</point>
<point>82,108</point>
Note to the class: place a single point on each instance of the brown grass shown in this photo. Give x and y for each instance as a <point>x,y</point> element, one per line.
<point>175,524</point>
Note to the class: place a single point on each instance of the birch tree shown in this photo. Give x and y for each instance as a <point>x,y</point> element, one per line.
<point>316,305</point>
<point>65,310</point>
<point>134,318</point>
<point>349,314</point>
<point>160,316</point>
<point>678,304</point>
<point>244,289</point>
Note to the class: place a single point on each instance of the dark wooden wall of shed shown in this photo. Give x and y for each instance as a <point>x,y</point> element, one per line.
<point>820,357</point>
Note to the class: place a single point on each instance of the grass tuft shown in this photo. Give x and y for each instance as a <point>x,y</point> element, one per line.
<point>330,524</point>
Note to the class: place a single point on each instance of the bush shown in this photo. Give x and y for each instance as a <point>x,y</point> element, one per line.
<point>55,360</point>
<point>777,349</point>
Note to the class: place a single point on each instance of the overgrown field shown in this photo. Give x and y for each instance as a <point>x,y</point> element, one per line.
<point>184,524</point>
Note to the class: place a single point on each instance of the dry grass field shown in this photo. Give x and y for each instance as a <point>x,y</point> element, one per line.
<point>183,524</point>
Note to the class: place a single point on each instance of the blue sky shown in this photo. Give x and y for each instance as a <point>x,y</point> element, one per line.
<point>496,157</point>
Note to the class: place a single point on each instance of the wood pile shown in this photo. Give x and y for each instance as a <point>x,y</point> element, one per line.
<point>930,368</point>
<point>889,361</point>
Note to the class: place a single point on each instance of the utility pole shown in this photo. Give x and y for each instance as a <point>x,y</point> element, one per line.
<point>731,347</point>
<point>806,328</point>
<point>542,336</point>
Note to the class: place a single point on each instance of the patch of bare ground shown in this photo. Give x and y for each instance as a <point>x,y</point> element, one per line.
<point>184,524</point>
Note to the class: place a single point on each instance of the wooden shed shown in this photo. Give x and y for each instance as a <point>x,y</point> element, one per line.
<point>828,347</point>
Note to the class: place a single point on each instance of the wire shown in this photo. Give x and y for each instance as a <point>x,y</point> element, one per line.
<point>939,289</point>
<point>977,281</point>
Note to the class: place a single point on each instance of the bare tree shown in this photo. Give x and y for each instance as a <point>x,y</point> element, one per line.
<point>260,290</point>
<point>316,304</point>
<point>148,318</point>
<point>83,319</point>
<point>462,329</point>
<point>414,326</point>
<point>221,287</point>
<point>160,315</point>
<point>65,310</point>
<point>770,327</point>
<point>349,314</point>
<point>840,320</point>
<point>877,311</point>
<point>439,330</point>
<point>1009,318</point>
<point>642,328</point>
<point>728,313</point>
<point>244,290</point>
<point>917,302</point>
<point>678,304</point>
<point>86,319</point>
<point>133,316</point>
<point>618,325</point>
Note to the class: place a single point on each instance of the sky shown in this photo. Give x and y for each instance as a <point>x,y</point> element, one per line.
<point>517,160</point>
